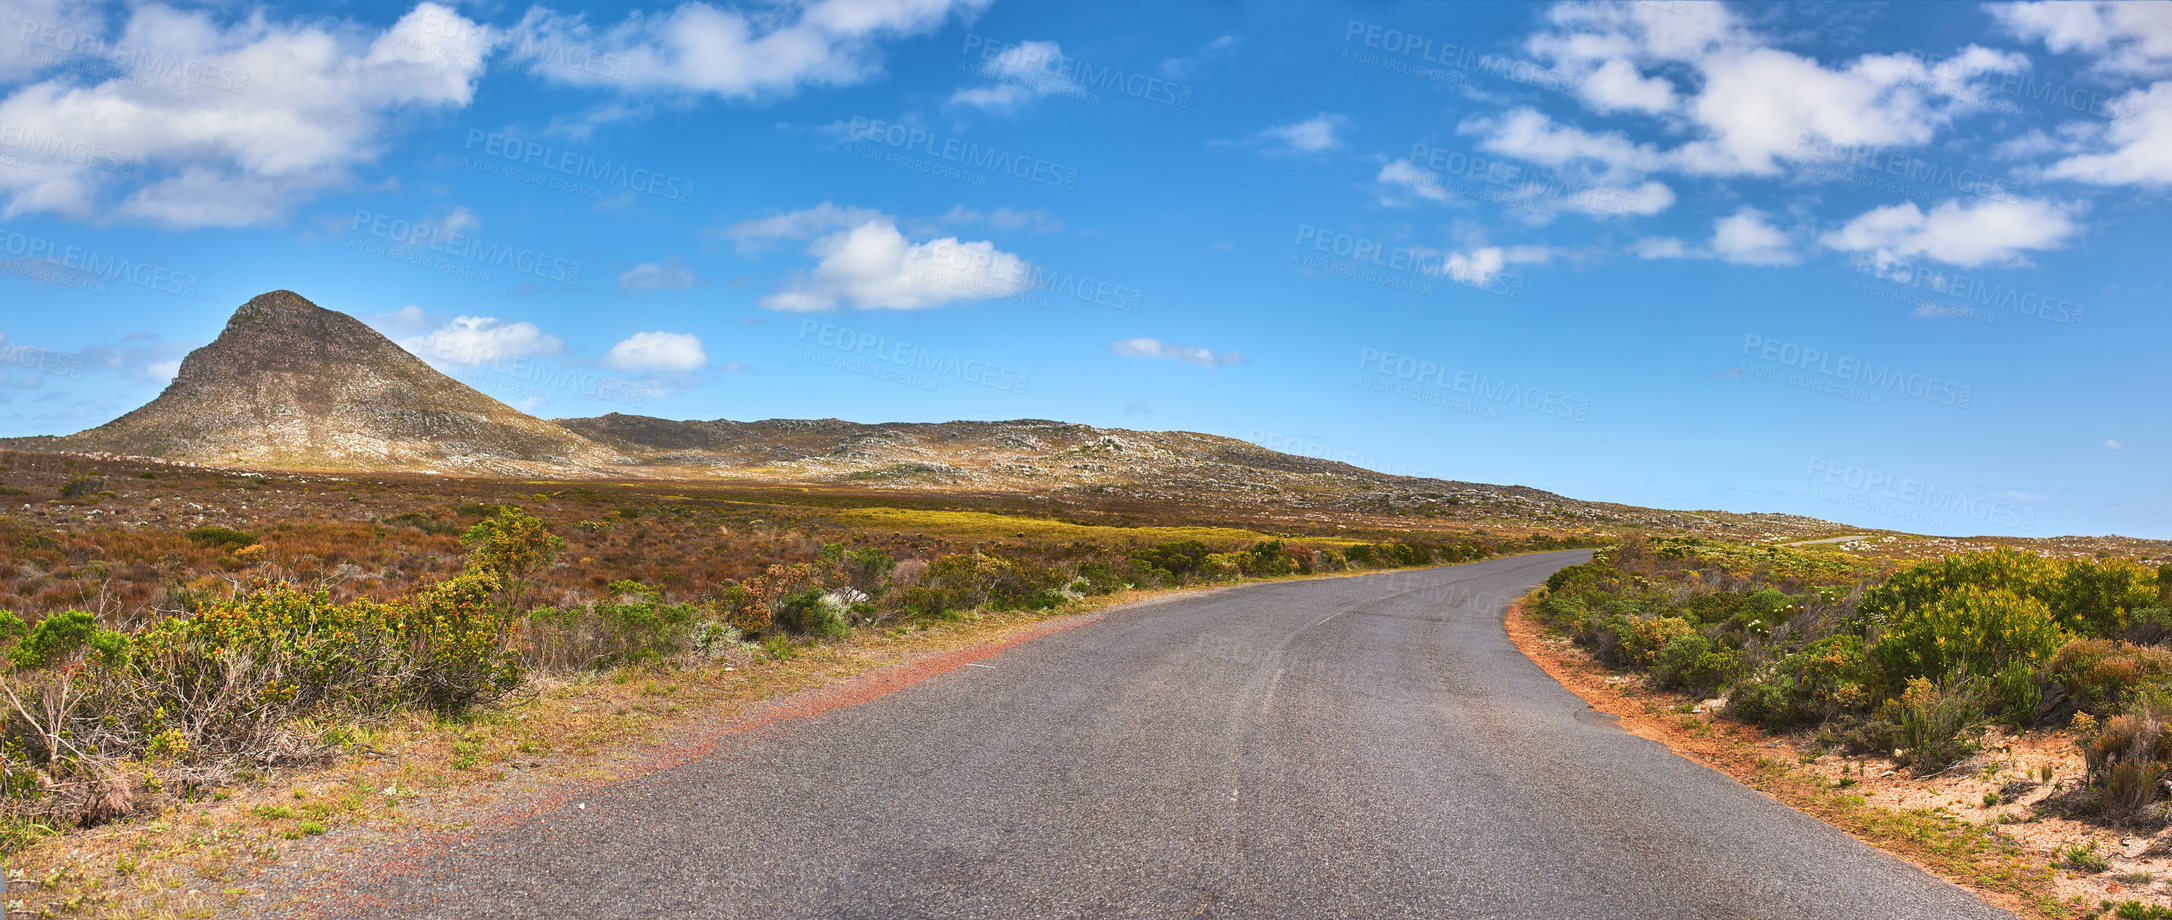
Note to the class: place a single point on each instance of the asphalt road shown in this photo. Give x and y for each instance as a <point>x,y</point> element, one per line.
<point>1358,747</point>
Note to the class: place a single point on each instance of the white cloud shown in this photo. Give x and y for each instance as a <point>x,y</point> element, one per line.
<point>1641,200</point>
<point>1022,72</point>
<point>2115,445</point>
<point>1401,181</point>
<point>657,351</point>
<point>1748,105</point>
<point>473,341</point>
<point>258,118</point>
<point>2129,38</point>
<point>874,267</point>
<point>1530,135</point>
<point>1758,105</point>
<point>1617,86</point>
<point>1038,220</point>
<point>1189,354</point>
<point>1746,237</point>
<point>163,371</point>
<point>798,225</point>
<point>1312,135</point>
<point>698,48</point>
<point>652,276</point>
<point>1480,266</point>
<point>2134,149</point>
<point>1967,235</point>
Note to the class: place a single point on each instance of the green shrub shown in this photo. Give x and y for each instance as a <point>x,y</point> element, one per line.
<point>1969,628</point>
<point>1694,663</point>
<point>811,613</point>
<point>61,635</point>
<point>1938,724</point>
<point>2085,597</point>
<point>1266,558</point>
<point>511,547</point>
<point>1822,680</point>
<point>82,485</point>
<point>220,538</point>
<point>1178,558</point>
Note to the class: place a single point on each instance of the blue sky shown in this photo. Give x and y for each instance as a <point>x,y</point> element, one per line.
<point>1894,265</point>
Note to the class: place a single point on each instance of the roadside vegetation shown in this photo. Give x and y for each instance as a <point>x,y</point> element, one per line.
<point>224,680</point>
<point>2046,682</point>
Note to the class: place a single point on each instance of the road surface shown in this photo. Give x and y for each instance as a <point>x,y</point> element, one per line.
<point>1358,747</point>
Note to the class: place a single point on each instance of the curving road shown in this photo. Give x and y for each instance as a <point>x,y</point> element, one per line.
<point>1359,747</point>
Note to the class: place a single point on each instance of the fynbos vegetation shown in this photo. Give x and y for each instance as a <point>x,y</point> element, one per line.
<point>1911,664</point>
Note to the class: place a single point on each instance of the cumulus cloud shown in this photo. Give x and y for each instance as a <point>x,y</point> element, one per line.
<point>807,224</point>
<point>1022,72</point>
<point>1757,106</point>
<point>1617,86</point>
<point>873,266</point>
<point>657,351</point>
<point>1312,135</point>
<point>1746,237</point>
<point>263,117</point>
<point>1480,266</point>
<point>1966,235</point>
<point>1402,182</point>
<point>473,341</point>
<point>1748,106</point>
<point>1190,354</point>
<point>697,48</point>
<point>2134,149</point>
<point>653,276</point>
<point>1527,134</point>
<point>2126,38</point>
